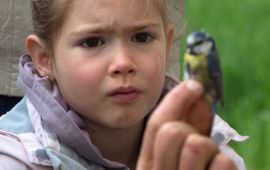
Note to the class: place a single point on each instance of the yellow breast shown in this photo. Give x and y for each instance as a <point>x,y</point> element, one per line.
<point>199,67</point>
<point>196,61</point>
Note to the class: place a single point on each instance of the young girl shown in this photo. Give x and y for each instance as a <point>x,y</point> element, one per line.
<point>95,80</point>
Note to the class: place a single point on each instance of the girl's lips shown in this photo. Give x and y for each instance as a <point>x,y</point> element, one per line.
<point>124,94</point>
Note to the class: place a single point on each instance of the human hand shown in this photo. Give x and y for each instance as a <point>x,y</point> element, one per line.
<point>176,134</point>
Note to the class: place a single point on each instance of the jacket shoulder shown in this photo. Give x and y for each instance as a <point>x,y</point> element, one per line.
<point>17,119</point>
<point>13,154</point>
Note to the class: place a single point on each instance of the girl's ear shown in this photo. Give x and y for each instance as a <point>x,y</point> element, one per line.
<point>169,36</point>
<point>39,54</point>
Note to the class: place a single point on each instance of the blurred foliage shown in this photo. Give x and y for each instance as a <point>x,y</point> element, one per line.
<point>241,31</point>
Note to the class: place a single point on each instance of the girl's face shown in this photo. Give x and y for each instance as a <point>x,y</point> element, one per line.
<point>109,60</point>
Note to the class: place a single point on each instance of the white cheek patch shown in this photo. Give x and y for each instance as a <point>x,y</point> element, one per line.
<point>198,49</point>
<point>203,48</point>
<point>206,46</point>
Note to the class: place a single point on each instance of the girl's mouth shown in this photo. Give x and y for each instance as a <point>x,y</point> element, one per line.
<point>124,94</point>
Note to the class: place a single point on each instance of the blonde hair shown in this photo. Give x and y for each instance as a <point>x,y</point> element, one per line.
<point>48,17</point>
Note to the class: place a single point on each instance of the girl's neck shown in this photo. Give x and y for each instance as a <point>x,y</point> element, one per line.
<point>120,145</point>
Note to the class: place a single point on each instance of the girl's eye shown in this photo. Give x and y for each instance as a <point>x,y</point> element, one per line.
<point>143,37</point>
<point>92,42</point>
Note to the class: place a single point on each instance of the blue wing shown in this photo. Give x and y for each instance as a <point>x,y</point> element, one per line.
<point>215,73</point>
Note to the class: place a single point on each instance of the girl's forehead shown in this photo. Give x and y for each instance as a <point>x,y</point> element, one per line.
<point>104,7</point>
<point>104,3</point>
<point>113,12</point>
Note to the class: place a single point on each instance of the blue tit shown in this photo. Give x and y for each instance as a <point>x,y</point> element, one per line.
<point>201,62</point>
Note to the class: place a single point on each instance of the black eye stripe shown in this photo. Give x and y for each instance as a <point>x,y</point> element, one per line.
<point>198,43</point>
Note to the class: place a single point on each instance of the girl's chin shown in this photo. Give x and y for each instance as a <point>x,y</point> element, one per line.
<point>125,122</point>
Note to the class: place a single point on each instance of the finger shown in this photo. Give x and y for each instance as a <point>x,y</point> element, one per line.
<point>177,102</point>
<point>168,144</point>
<point>200,117</point>
<point>222,162</point>
<point>197,152</point>
<point>172,108</point>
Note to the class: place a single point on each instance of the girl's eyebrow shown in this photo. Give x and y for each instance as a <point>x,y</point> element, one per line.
<point>145,26</point>
<point>100,28</point>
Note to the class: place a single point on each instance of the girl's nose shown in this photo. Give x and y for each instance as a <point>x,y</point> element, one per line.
<point>123,62</point>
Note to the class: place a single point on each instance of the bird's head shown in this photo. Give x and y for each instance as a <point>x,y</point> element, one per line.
<point>199,43</point>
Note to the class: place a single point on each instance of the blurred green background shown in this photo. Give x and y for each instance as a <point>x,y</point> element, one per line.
<point>242,33</point>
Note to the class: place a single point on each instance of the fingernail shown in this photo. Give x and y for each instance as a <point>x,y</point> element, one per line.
<point>194,86</point>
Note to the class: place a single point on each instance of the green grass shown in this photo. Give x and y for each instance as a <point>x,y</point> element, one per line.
<point>242,33</point>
